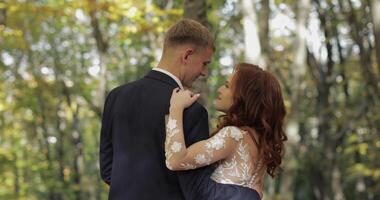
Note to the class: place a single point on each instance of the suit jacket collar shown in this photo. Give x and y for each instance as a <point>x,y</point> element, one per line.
<point>153,74</point>
<point>169,74</point>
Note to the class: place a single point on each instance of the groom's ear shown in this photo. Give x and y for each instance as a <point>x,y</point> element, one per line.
<point>186,54</point>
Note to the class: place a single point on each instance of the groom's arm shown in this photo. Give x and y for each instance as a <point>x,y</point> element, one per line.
<point>105,149</point>
<point>195,125</point>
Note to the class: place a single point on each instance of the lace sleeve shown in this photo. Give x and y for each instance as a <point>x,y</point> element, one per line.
<point>202,153</point>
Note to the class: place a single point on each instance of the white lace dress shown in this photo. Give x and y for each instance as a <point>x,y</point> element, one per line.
<point>231,147</point>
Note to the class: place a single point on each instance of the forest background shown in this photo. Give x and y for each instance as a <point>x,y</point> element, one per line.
<point>60,58</point>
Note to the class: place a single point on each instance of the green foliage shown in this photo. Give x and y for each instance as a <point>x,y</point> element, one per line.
<point>54,77</point>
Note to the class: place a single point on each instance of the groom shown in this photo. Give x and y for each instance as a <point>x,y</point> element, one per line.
<point>132,155</point>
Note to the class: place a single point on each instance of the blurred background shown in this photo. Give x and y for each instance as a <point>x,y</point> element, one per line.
<point>59,59</point>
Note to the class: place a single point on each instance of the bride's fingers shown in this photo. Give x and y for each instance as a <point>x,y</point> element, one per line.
<point>194,98</point>
<point>189,92</point>
<point>176,90</point>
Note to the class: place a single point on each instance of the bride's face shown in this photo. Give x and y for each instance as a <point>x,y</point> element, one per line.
<point>224,99</point>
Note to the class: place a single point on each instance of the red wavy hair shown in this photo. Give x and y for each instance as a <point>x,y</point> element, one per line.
<point>258,103</point>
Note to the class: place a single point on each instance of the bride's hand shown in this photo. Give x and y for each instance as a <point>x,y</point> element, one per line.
<point>182,98</point>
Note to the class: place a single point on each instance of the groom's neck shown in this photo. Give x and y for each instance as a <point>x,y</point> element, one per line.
<point>170,67</point>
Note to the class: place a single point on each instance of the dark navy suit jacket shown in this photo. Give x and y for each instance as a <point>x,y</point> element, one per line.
<point>132,154</point>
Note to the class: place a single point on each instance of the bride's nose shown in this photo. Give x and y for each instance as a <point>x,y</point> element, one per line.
<point>218,92</point>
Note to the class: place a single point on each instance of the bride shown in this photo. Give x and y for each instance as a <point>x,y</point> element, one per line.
<point>249,140</point>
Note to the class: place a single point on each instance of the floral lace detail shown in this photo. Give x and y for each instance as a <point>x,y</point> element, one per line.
<point>216,143</point>
<point>228,146</point>
<point>188,166</point>
<point>176,147</point>
<point>202,159</point>
<point>171,131</point>
<point>238,169</point>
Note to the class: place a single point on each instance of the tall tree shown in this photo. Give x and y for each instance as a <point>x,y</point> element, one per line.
<point>376,25</point>
<point>253,49</point>
<point>102,48</point>
<point>359,29</point>
<point>297,94</point>
<point>264,14</point>
<point>3,13</point>
<point>197,10</point>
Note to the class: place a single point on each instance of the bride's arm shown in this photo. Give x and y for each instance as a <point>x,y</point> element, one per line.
<point>205,152</point>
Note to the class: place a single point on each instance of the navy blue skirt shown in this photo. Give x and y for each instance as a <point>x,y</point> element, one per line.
<point>210,190</point>
<point>221,191</point>
<point>204,188</point>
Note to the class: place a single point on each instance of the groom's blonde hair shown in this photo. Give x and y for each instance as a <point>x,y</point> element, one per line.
<point>187,31</point>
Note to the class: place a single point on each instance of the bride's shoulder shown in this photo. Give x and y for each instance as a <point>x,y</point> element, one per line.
<point>232,131</point>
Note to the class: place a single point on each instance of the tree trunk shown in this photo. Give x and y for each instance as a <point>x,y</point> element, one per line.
<point>360,187</point>
<point>102,48</point>
<point>365,53</point>
<point>16,175</point>
<point>197,10</point>
<point>53,194</point>
<point>264,14</point>
<point>78,157</point>
<point>60,123</point>
<point>298,71</point>
<point>324,112</point>
<point>252,50</point>
<point>376,23</point>
<point>336,183</point>
<point>3,14</point>
<point>299,64</point>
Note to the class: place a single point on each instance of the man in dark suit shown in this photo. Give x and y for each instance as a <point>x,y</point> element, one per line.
<point>132,153</point>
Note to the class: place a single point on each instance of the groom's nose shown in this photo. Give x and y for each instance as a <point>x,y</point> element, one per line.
<point>204,72</point>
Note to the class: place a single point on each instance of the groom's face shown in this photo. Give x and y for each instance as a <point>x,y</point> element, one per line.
<point>197,65</point>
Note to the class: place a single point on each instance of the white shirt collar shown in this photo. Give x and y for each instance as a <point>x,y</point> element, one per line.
<point>169,74</point>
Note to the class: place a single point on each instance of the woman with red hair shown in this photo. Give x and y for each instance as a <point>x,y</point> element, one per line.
<point>249,140</point>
